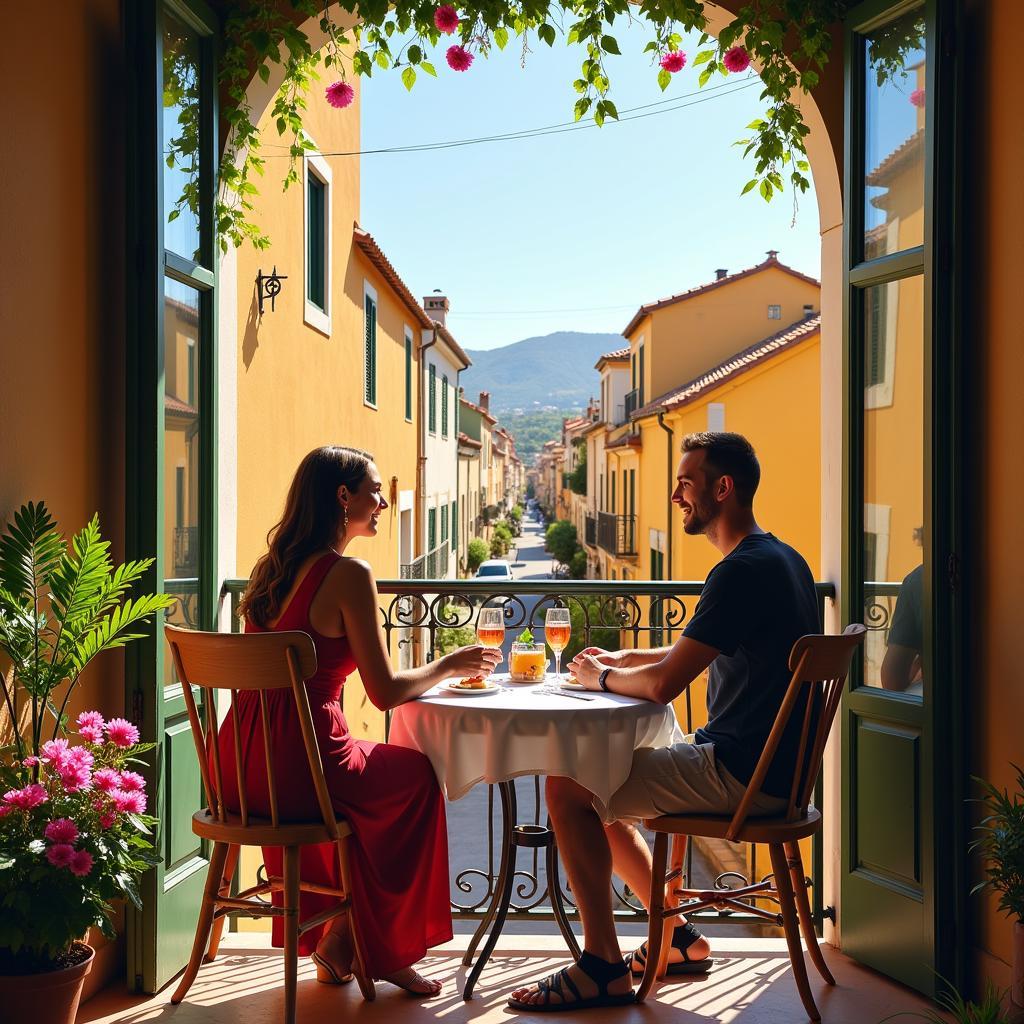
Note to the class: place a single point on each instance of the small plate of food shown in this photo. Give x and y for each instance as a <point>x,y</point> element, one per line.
<point>471,686</point>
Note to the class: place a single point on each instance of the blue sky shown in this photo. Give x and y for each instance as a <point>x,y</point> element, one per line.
<point>568,231</point>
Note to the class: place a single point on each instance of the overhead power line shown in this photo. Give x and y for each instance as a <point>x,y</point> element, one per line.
<point>665,106</point>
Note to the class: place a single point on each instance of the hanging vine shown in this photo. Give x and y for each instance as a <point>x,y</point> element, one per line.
<point>789,42</point>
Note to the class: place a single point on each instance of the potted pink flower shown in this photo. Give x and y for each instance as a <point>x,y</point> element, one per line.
<point>73,827</point>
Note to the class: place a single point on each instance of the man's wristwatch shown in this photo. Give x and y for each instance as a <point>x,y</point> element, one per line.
<point>602,679</point>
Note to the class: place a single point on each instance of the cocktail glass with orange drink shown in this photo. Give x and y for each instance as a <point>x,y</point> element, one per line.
<point>557,629</point>
<point>490,627</point>
<point>527,660</point>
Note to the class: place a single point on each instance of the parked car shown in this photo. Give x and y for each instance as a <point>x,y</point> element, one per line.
<point>495,569</point>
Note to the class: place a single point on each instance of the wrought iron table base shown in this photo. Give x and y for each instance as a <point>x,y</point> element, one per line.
<point>514,835</point>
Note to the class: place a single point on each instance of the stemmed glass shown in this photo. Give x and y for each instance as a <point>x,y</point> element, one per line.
<point>557,627</point>
<point>490,627</point>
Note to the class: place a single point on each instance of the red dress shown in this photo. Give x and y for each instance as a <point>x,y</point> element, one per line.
<point>389,796</point>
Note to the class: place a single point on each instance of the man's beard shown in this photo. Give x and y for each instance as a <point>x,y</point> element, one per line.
<point>700,518</point>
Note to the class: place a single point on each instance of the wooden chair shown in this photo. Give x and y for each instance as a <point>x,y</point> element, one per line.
<point>820,665</point>
<point>257,662</point>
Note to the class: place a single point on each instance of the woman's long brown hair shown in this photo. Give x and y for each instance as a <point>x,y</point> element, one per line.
<point>311,521</point>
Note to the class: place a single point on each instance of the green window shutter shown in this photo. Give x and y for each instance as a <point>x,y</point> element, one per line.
<point>408,377</point>
<point>455,525</point>
<point>370,352</point>
<point>316,235</point>
<point>444,524</point>
<point>432,529</point>
<point>432,420</point>
<point>444,406</point>
<point>640,378</point>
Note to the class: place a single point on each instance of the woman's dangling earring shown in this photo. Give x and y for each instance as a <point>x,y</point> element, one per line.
<point>344,518</point>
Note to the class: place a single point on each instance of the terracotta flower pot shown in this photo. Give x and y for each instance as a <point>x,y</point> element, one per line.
<point>47,998</point>
<point>1017,984</point>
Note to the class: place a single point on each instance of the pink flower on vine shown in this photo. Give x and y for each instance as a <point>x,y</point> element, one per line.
<point>121,732</point>
<point>446,18</point>
<point>132,782</point>
<point>91,733</point>
<point>90,719</point>
<point>673,61</point>
<point>340,94</point>
<point>459,58</point>
<point>917,97</point>
<point>107,780</point>
<point>56,752</point>
<point>736,59</point>
<point>26,798</point>
<point>129,803</point>
<point>107,819</point>
<point>60,855</point>
<point>81,863</point>
<point>61,830</point>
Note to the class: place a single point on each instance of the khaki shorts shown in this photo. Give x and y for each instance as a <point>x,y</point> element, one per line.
<point>682,779</point>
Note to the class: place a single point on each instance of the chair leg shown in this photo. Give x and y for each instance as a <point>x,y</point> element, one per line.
<point>218,925</point>
<point>656,924</point>
<point>363,978</point>
<point>803,906</point>
<point>291,930</point>
<point>205,922</point>
<point>787,907</point>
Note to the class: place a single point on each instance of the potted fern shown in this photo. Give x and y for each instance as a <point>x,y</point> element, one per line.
<point>1001,844</point>
<point>73,828</point>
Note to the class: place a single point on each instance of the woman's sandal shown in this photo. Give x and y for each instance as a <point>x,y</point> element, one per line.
<point>683,937</point>
<point>327,973</point>
<point>600,972</point>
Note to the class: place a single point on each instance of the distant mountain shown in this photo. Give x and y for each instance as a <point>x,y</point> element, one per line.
<point>554,371</point>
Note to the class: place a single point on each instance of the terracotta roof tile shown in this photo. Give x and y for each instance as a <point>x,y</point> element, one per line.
<point>734,366</point>
<point>626,441</point>
<point>469,442</point>
<point>905,153</point>
<point>767,264</point>
<point>172,404</point>
<point>476,408</point>
<point>619,355</point>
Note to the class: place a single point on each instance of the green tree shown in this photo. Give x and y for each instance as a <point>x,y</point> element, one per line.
<point>578,477</point>
<point>450,638</point>
<point>589,609</point>
<point>578,565</point>
<point>561,541</point>
<point>476,552</point>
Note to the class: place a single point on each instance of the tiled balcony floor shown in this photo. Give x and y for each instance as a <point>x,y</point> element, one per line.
<point>750,984</point>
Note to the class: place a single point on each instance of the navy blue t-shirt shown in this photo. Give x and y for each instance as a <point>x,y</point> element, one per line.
<point>756,603</point>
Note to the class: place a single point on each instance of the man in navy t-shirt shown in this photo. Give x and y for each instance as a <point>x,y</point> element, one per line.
<point>756,603</point>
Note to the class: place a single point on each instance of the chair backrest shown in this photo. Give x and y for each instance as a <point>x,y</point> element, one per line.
<point>256,662</point>
<point>820,664</point>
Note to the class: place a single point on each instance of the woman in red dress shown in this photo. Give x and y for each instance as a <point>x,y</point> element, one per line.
<point>388,795</point>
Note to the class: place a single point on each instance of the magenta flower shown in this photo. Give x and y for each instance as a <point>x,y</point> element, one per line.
<point>459,58</point>
<point>129,802</point>
<point>121,732</point>
<point>6,809</point>
<point>917,97</point>
<point>132,782</point>
<point>60,855</point>
<point>90,719</point>
<point>107,780</point>
<point>80,757</point>
<point>61,830</point>
<point>340,94</point>
<point>30,762</point>
<point>91,733</point>
<point>446,18</point>
<point>107,819</point>
<point>673,61</point>
<point>55,752</point>
<point>81,863</point>
<point>31,796</point>
<point>736,59</point>
<point>74,777</point>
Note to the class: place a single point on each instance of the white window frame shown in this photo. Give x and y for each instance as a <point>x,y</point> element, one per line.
<point>313,316</point>
<point>368,290</point>
<point>879,396</point>
<point>774,311</point>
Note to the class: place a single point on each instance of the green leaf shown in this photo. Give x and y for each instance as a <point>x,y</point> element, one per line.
<point>705,75</point>
<point>610,110</point>
<point>664,77</point>
<point>409,77</point>
<point>264,72</point>
<point>415,54</point>
<point>703,57</point>
<point>609,45</point>
<point>582,106</point>
<point>546,33</point>
<point>501,37</point>
<point>429,68</point>
<point>749,185</point>
<point>382,60</point>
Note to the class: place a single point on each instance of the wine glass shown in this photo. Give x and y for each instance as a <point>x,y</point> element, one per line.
<point>557,627</point>
<point>490,627</point>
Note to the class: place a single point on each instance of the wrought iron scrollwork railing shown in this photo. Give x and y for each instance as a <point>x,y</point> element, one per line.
<point>605,613</point>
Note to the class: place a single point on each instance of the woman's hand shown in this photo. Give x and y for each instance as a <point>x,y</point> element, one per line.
<point>474,660</point>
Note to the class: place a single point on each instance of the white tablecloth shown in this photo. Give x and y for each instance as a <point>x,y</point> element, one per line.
<point>520,731</point>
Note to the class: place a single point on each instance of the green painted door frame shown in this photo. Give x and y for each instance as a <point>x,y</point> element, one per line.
<point>904,764</point>
<point>159,937</point>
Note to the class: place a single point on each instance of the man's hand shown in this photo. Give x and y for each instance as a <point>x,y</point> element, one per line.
<point>585,668</point>
<point>608,659</point>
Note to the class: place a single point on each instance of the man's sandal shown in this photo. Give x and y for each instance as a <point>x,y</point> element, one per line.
<point>683,937</point>
<point>600,972</point>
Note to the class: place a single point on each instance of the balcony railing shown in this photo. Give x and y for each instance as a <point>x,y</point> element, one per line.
<point>607,613</point>
<point>616,534</point>
<point>431,566</point>
<point>590,530</point>
<point>186,551</point>
<point>632,402</point>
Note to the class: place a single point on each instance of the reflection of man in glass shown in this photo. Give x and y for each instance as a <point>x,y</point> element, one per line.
<point>901,667</point>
